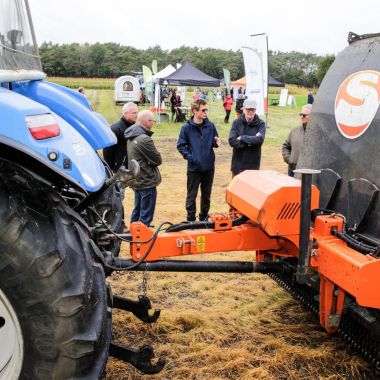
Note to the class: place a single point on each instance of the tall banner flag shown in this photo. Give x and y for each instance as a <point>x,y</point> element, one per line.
<point>154,66</point>
<point>227,77</point>
<point>256,70</point>
<point>147,74</point>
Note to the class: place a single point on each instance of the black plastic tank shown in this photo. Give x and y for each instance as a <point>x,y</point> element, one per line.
<point>343,136</point>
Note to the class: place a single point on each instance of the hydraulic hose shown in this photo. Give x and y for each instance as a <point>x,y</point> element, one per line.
<point>361,247</point>
<point>199,225</point>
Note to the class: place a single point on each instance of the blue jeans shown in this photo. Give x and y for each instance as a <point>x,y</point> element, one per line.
<point>145,204</point>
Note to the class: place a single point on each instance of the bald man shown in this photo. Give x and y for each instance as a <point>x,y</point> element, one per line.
<point>141,148</point>
<point>116,155</point>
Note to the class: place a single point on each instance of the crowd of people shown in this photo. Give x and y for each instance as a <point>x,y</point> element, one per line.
<point>197,140</point>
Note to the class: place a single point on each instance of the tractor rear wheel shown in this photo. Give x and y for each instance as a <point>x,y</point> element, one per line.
<point>110,207</point>
<point>55,318</point>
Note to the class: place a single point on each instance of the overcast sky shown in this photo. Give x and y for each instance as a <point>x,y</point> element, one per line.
<point>307,26</point>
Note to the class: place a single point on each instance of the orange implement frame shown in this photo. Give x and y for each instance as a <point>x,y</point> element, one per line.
<point>271,202</point>
<point>331,300</point>
<point>192,242</point>
<point>270,199</point>
<point>350,270</point>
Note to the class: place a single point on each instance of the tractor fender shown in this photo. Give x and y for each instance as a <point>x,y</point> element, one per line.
<point>73,107</point>
<point>41,169</point>
<point>74,156</point>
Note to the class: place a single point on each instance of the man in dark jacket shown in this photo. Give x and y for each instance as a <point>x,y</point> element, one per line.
<point>116,155</point>
<point>310,98</point>
<point>196,141</point>
<point>239,104</point>
<point>246,137</point>
<point>142,149</point>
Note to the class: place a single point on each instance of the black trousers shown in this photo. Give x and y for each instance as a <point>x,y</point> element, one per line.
<point>194,180</point>
<point>227,118</point>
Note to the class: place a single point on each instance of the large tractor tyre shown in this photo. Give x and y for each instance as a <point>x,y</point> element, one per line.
<point>110,207</point>
<point>55,319</point>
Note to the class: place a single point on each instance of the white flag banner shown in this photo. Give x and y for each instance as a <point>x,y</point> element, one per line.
<point>256,71</point>
<point>283,97</point>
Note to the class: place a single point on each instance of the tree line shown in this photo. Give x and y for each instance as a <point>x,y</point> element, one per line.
<point>111,60</point>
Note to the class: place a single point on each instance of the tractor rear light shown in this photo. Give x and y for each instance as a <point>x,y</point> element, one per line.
<point>43,127</point>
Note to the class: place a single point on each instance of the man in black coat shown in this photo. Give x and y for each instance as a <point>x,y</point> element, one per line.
<point>310,98</point>
<point>246,137</point>
<point>116,155</point>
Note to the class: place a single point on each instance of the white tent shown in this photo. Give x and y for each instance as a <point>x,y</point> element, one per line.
<point>169,69</point>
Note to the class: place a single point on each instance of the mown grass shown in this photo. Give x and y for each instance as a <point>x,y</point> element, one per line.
<point>279,119</point>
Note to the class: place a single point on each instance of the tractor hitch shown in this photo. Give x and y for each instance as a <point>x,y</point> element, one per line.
<point>140,358</point>
<point>139,309</point>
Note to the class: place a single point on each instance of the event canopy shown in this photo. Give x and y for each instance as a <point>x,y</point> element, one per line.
<point>169,69</point>
<point>188,75</point>
<point>271,82</point>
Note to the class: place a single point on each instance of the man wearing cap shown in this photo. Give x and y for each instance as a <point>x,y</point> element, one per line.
<point>246,137</point>
<point>292,146</point>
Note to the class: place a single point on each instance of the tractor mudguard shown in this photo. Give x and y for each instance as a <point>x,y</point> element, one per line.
<point>73,156</point>
<point>70,106</point>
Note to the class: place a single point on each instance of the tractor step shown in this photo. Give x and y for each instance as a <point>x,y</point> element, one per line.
<point>140,358</point>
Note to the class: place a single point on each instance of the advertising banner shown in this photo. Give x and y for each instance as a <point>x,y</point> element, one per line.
<point>147,74</point>
<point>283,97</point>
<point>227,77</point>
<point>154,66</point>
<point>256,70</point>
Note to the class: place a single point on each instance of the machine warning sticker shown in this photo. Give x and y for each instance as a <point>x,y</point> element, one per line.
<point>201,243</point>
<point>356,103</point>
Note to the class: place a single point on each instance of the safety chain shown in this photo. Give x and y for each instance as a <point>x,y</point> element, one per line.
<point>144,282</point>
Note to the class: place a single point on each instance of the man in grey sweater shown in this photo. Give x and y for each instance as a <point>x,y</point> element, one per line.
<point>293,144</point>
<point>141,148</point>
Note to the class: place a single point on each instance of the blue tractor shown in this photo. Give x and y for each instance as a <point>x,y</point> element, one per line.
<point>60,206</point>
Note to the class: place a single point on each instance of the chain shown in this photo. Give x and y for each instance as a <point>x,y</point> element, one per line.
<point>144,282</point>
<point>144,290</point>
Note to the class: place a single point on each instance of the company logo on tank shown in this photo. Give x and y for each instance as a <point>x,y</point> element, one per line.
<point>356,103</point>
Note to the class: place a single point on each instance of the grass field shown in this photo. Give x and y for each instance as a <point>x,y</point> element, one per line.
<point>221,326</point>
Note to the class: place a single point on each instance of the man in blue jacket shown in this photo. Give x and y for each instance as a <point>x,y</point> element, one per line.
<point>196,141</point>
<point>246,137</point>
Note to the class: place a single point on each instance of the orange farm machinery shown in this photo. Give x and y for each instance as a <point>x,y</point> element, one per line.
<point>318,235</point>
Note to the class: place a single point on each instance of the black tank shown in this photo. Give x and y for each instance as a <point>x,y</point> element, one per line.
<point>343,136</point>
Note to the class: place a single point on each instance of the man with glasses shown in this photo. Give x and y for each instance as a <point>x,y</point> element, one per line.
<point>196,143</point>
<point>142,149</point>
<point>293,144</point>
<point>116,155</point>
<point>246,137</point>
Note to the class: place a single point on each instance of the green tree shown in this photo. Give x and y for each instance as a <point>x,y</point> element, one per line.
<point>323,65</point>
<point>113,60</point>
